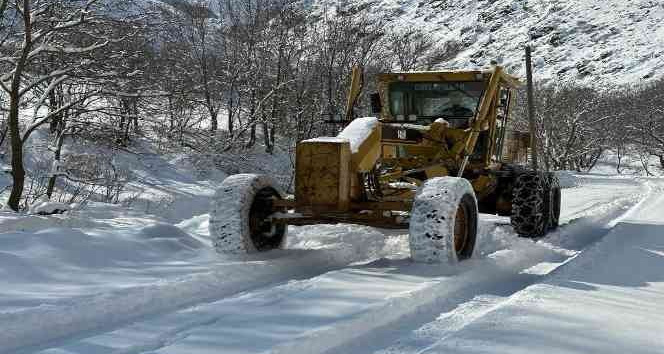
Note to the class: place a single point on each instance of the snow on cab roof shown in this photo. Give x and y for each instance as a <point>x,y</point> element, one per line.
<point>449,71</point>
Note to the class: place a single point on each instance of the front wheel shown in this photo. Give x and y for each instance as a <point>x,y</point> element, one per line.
<point>443,221</point>
<point>239,220</point>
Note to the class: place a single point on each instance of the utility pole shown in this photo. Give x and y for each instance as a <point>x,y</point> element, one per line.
<point>531,108</point>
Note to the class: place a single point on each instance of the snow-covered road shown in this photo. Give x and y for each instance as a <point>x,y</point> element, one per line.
<point>347,289</point>
<point>608,299</point>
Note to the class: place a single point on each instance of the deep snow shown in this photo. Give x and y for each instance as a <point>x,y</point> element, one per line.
<point>609,299</point>
<point>106,280</point>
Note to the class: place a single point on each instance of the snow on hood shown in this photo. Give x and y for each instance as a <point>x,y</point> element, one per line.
<point>358,131</point>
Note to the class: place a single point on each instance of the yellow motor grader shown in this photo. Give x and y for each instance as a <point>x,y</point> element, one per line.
<point>439,151</point>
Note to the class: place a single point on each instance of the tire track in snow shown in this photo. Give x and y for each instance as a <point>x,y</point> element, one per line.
<point>578,270</point>
<point>396,311</point>
<point>405,308</point>
<point>402,315</point>
<point>48,325</point>
<point>204,315</point>
<point>445,325</point>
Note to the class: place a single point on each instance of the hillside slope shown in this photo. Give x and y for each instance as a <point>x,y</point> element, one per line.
<point>589,41</point>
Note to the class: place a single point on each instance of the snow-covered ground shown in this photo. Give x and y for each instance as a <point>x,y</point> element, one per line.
<point>107,280</point>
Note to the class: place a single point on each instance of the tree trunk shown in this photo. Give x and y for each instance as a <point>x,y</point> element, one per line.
<point>272,135</point>
<point>266,138</point>
<point>644,157</point>
<point>56,159</point>
<point>3,134</point>
<point>134,111</point>
<point>18,172</point>
<point>214,122</point>
<point>171,116</point>
<point>230,113</point>
<point>57,126</point>
<point>594,159</point>
<point>252,136</point>
<point>252,118</point>
<point>55,102</point>
<point>125,134</point>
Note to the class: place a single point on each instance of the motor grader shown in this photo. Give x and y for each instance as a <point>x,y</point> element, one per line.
<point>440,150</point>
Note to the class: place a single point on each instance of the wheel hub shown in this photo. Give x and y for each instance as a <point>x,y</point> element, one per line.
<point>264,233</point>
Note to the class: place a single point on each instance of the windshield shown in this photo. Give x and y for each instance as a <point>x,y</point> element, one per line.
<point>425,101</point>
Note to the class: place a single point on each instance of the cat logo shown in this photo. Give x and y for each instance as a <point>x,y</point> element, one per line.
<point>401,134</point>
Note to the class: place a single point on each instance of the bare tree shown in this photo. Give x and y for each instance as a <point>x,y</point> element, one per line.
<point>66,32</point>
<point>412,49</point>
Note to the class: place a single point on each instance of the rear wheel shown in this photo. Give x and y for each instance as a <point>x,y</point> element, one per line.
<point>239,220</point>
<point>531,205</point>
<point>443,222</point>
<point>555,202</point>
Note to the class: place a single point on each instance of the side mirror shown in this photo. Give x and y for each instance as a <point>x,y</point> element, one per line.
<point>376,105</point>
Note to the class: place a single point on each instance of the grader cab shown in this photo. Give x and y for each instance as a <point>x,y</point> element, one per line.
<point>440,150</point>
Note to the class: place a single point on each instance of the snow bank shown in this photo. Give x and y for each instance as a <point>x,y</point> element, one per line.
<point>46,207</point>
<point>358,131</point>
<point>198,227</point>
<point>82,281</point>
<point>169,238</point>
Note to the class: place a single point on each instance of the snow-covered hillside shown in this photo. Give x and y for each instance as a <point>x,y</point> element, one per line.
<point>592,42</point>
<point>589,41</point>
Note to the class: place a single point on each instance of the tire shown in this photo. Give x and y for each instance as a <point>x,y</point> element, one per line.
<point>239,210</point>
<point>531,205</point>
<point>443,221</point>
<point>555,202</point>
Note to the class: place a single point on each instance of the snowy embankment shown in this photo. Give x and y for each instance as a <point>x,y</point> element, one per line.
<point>326,305</point>
<point>607,300</point>
<point>62,281</point>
